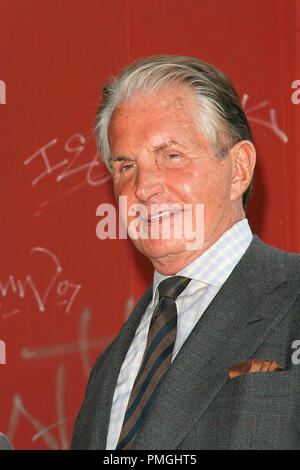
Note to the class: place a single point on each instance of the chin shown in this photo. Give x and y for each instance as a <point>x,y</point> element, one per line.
<point>158,249</point>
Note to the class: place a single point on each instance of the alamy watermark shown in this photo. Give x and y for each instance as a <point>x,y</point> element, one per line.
<point>295,97</point>
<point>155,222</point>
<point>2,92</point>
<point>2,352</point>
<point>296,354</point>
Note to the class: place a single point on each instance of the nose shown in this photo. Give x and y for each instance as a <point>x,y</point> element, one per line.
<point>148,184</point>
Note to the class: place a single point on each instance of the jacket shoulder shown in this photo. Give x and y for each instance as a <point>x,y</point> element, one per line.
<point>276,257</point>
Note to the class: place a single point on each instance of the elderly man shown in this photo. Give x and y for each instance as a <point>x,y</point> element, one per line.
<point>205,359</point>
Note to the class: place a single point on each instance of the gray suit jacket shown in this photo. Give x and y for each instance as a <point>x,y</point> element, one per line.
<point>256,314</point>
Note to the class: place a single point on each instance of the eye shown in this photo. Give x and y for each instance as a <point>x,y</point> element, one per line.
<point>125,168</point>
<point>172,156</point>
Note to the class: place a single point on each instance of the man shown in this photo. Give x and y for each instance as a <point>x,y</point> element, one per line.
<point>205,361</point>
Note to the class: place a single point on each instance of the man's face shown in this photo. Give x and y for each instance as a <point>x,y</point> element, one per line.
<point>160,157</point>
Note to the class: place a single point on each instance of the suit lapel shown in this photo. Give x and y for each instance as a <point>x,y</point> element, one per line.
<point>235,324</point>
<point>111,368</point>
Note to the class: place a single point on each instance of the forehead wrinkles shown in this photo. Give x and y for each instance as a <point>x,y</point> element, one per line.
<point>177,100</point>
<point>153,118</point>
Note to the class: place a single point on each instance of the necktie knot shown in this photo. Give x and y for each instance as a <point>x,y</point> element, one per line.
<point>173,286</point>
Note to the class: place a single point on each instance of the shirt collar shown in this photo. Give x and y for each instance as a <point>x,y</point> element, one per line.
<point>214,266</point>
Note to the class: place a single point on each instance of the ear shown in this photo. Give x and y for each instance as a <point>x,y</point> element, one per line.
<point>243,158</point>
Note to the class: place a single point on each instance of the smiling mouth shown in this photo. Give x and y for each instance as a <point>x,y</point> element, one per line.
<point>156,218</point>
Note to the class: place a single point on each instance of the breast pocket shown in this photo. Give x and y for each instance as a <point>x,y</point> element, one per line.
<point>258,410</point>
<point>260,384</point>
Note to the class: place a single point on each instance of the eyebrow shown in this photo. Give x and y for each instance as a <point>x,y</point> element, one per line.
<point>167,144</point>
<point>119,159</point>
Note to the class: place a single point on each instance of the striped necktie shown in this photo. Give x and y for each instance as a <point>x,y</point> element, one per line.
<point>156,360</point>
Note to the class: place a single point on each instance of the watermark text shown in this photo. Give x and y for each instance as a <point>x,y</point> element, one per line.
<point>154,222</point>
<point>2,352</point>
<point>295,97</point>
<point>2,92</point>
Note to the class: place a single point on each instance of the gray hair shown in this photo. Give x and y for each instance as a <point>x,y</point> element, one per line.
<point>222,120</point>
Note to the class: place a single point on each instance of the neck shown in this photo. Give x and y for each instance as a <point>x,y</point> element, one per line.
<point>172,263</point>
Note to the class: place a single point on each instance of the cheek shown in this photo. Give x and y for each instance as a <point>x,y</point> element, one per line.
<point>210,186</point>
<point>193,186</point>
<point>125,198</point>
<point>121,188</point>
<point>117,189</point>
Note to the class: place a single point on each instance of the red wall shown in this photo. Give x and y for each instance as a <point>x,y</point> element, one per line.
<point>64,293</point>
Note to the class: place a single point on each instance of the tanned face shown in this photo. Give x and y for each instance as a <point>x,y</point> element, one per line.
<point>160,157</point>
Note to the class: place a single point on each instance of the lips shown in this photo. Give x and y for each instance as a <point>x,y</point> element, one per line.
<point>160,216</point>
